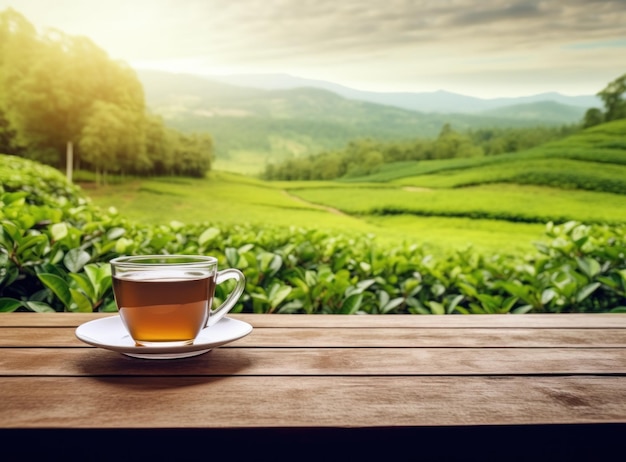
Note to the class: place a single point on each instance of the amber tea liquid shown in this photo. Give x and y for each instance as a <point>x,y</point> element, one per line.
<point>165,309</point>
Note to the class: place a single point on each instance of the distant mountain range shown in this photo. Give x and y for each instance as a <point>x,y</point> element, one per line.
<point>255,119</point>
<point>438,101</point>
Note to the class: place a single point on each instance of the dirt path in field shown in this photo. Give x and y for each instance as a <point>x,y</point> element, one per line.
<point>317,206</point>
<point>335,211</point>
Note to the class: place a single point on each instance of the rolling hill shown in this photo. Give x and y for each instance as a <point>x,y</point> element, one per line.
<point>251,126</point>
<point>551,111</point>
<point>494,202</point>
<point>440,101</point>
<point>580,177</point>
<point>593,159</point>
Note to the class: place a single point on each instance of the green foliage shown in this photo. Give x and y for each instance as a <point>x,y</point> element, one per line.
<point>593,117</point>
<point>279,125</point>
<point>592,160</point>
<point>54,245</point>
<point>37,184</point>
<point>366,159</point>
<point>531,156</point>
<point>614,98</point>
<point>556,173</point>
<point>54,253</point>
<point>59,92</point>
<point>509,202</point>
<point>581,177</point>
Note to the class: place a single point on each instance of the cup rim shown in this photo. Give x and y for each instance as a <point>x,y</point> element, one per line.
<point>156,260</point>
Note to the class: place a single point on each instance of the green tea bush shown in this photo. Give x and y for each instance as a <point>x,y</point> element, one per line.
<point>601,151</point>
<point>55,247</point>
<point>556,172</point>
<point>508,203</point>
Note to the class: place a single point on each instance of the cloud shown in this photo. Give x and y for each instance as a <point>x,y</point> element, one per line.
<point>368,25</point>
<point>393,43</point>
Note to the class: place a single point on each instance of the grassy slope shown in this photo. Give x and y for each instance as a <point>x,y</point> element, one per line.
<point>582,177</point>
<point>231,198</point>
<point>389,204</point>
<point>604,144</point>
<point>516,203</point>
<point>251,127</point>
<point>220,198</point>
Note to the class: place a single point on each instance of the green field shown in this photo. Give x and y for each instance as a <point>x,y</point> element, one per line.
<point>495,204</point>
<point>226,198</point>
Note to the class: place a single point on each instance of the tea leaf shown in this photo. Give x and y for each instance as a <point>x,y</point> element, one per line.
<point>80,301</point>
<point>58,231</point>
<point>277,295</point>
<point>586,291</point>
<point>232,257</point>
<point>436,307</point>
<point>589,266</point>
<point>208,235</point>
<point>454,303</point>
<point>351,304</point>
<point>39,307</point>
<point>100,277</point>
<point>115,233</point>
<point>123,245</point>
<point>75,259</point>
<point>9,304</point>
<point>58,286</point>
<point>392,304</point>
<point>523,309</point>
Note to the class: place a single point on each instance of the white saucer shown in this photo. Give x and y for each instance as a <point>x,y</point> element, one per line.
<point>111,334</point>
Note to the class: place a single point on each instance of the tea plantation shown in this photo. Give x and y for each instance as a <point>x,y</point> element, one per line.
<point>55,245</point>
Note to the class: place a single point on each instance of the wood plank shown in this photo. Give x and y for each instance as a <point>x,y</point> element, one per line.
<point>435,337</point>
<point>563,320</point>
<point>495,321</point>
<point>397,337</point>
<point>320,361</point>
<point>48,319</point>
<point>252,402</point>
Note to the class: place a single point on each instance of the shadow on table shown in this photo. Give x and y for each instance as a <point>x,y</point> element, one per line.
<point>212,365</point>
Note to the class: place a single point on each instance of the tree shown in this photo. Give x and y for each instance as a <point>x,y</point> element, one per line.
<point>450,144</point>
<point>18,42</point>
<point>613,98</point>
<point>112,142</point>
<point>326,166</point>
<point>158,146</point>
<point>593,117</point>
<point>193,153</point>
<point>49,102</point>
<point>59,92</point>
<point>50,83</point>
<point>8,137</point>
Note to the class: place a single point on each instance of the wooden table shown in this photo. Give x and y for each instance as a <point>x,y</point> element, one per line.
<point>501,387</point>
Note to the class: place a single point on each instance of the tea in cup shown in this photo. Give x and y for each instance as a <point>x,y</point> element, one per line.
<point>166,300</point>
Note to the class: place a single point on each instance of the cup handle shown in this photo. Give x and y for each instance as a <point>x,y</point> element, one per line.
<point>229,303</point>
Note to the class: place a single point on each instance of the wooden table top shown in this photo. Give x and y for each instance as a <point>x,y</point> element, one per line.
<point>357,379</point>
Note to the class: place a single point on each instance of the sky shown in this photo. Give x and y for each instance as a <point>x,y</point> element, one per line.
<point>481,48</point>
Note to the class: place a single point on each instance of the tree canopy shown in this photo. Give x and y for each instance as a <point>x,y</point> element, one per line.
<point>614,98</point>
<point>364,157</point>
<point>56,89</point>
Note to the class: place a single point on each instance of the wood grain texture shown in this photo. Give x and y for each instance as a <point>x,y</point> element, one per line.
<point>85,362</point>
<point>393,337</point>
<point>324,372</point>
<point>580,321</point>
<point>265,402</point>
